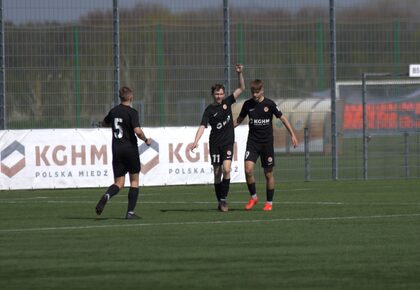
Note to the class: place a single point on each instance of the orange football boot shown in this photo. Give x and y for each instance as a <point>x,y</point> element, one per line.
<point>251,203</point>
<point>267,207</point>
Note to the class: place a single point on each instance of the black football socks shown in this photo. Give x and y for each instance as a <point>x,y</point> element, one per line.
<point>224,190</point>
<point>270,195</point>
<point>218,190</point>
<point>133,193</point>
<point>112,190</point>
<point>252,189</point>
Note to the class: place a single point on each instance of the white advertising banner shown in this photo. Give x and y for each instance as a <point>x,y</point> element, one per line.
<point>71,158</point>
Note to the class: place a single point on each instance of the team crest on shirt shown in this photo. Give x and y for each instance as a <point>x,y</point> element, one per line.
<point>229,153</point>
<point>224,106</point>
<point>266,109</point>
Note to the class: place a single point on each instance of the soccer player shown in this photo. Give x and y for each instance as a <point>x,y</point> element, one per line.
<point>125,154</point>
<point>260,111</point>
<point>219,116</point>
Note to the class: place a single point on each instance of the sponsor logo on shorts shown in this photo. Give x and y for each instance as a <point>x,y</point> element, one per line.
<point>229,153</point>
<point>270,159</point>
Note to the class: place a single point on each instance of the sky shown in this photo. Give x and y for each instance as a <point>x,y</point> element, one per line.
<point>20,11</point>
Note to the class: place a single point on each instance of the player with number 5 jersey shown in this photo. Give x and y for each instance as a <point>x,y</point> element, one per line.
<point>124,121</point>
<point>219,116</point>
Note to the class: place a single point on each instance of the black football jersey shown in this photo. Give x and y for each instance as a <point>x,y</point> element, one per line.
<point>220,118</point>
<point>260,119</point>
<point>123,119</point>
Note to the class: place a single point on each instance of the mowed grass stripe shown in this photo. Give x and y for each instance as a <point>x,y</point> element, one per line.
<point>130,224</point>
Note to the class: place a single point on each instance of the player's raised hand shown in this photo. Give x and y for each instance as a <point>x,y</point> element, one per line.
<point>239,68</point>
<point>148,141</point>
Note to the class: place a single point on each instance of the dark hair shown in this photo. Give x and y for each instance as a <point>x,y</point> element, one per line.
<point>256,85</point>
<point>217,87</point>
<point>125,93</point>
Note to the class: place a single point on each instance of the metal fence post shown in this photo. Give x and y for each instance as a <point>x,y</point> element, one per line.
<point>77,78</point>
<point>160,75</point>
<point>226,40</point>
<point>333,57</point>
<point>306,148</point>
<point>116,49</point>
<point>2,72</point>
<point>365,153</point>
<point>406,153</point>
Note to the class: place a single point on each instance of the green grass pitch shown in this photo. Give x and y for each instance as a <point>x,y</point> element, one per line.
<point>320,235</point>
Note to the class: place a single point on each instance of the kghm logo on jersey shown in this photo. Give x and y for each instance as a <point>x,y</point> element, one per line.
<point>266,109</point>
<point>222,124</point>
<point>259,122</point>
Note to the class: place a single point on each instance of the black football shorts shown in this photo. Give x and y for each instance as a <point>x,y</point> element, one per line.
<point>263,150</point>
<point>125,160</point>
<point>218,154</point>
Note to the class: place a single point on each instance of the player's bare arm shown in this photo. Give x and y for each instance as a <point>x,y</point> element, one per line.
<point>237,122</point>
<point>289,128</point>
<point>198,135</point>
<point>139,132</point>
<point>103,124</point>
<point>241,83</point>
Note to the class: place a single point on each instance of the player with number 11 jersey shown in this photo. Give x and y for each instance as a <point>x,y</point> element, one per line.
<point>219,116</point>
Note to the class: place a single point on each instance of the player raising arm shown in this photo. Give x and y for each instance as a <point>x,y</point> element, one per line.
<point>219,116</point>
<point>260,111</point>
<point>125,153</point>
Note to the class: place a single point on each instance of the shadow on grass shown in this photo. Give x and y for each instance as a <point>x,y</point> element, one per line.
<point>195,210</point>
<point>98,219</point>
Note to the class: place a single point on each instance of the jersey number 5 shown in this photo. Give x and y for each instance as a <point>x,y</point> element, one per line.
<point>118,131</point>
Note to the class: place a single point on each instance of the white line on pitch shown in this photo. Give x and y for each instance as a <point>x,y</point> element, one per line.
<point>129,224</point>
<point>117,201</point>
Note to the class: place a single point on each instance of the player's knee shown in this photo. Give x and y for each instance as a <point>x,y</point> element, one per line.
<point>226,171</point>
<point>217,174</point>
<point>134,184</point>
<point>249,172</point>
<point>119,183</point>
<point>268,174</point>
